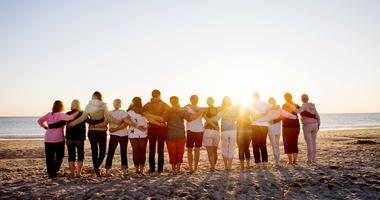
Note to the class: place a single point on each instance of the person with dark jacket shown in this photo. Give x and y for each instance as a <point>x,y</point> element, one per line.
<point>75,137</point>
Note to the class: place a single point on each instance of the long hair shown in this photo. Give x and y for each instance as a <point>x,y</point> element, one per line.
<point>57,106</point>
<point>227,102</point>
<point>136,105</point>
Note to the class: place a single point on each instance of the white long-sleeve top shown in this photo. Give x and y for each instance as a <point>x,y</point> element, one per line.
<point>275,129</point>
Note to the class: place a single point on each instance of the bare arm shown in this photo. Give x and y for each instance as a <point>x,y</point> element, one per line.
<point>208,121</point>
<point>195,115</point>
<point>120,127</point>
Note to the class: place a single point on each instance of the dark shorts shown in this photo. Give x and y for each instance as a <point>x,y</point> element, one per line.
<point>194,139</point>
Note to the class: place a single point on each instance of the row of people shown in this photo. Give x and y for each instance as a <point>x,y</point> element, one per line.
<point>160,123</point>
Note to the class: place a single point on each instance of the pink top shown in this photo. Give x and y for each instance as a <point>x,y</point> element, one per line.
<point>54,135</point>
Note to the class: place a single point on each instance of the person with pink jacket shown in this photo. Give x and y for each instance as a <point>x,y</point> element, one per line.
<point>54,137</point>
<point>310,127</point>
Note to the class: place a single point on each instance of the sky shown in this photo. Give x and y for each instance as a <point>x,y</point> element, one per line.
<point>66,50</point>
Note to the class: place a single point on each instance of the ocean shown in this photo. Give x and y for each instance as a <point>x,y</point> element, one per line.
<point>18,127</point>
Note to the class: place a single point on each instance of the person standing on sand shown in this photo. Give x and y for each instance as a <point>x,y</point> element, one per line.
<point>176,139</point>
<point>228,115</point>
<point>195,132</point>
<point>75,137</point>
<point>244,136</point>
<point>54,137</point>
<point>118,135</point>
<point>211,136</point>
<point>310,127</point>
<point>96,109</point>
<point>138,137</point>
<point>274,129</point>
<point>154,110</point>
<point>260,130</point>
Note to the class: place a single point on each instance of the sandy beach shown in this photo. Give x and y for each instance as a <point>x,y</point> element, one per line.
<point>348,168</point>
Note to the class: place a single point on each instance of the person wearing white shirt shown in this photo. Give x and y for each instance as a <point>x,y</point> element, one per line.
<point>117,136</point>
<point>274,130</point>
<point>138,137</point>
<point>195,131</point>
<point>260,123</point>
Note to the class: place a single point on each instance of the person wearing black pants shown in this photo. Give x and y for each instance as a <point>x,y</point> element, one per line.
<point>244,137</point>
<point>260,123</point>
<point>153,111</point>
<point>96,110</point>
<point>156,136</point>
<point>98,141</point>
<point>259,143</point>
<point>114,141</point>
<point>54,157</point>
<point>54,137</point>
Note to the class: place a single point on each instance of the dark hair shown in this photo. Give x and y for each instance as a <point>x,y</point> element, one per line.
<point>156,93</point>
<point>288,97</point>
<point>136,105</point>
<point>97,95</point>
<point>174,99</point>
<point>57,106</point>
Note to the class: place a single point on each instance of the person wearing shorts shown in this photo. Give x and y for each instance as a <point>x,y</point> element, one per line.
<point>175,139</point>
<point>195,132</point>
<point>211,136</point>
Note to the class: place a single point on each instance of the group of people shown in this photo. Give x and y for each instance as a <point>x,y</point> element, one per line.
<point>158,123</point>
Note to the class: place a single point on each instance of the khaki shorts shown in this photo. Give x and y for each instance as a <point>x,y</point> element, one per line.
<point>211,138</point>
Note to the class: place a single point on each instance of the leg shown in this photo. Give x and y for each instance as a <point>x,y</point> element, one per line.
<point>102,147</point>
<point>190,158</point>
<point>80,149</point>
<point>308,139</point>
<point>196,158</point>
<point>170,144</point>
<point>123,153</point>
<point>143,143</point>
<point>152,150</point>
<point>197,145</point>
<point>210,157</point>
<point>314,142</point>
<point>247,154</point>
<point>94,149</point>
<point>263,144</point>
<point>113,142</point>
<point>180,153</point>
<point>71,151</point>
<point>136,152</point>
<point>50,154</point>
<point>161,145</point>
<point>60,153</point>
<point>256,144</point>
<point>295,155</point>
<point>215,149</point>
<point>241,150</point>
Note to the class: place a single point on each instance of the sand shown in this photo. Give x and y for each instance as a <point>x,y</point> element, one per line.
<point>348,168</point>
